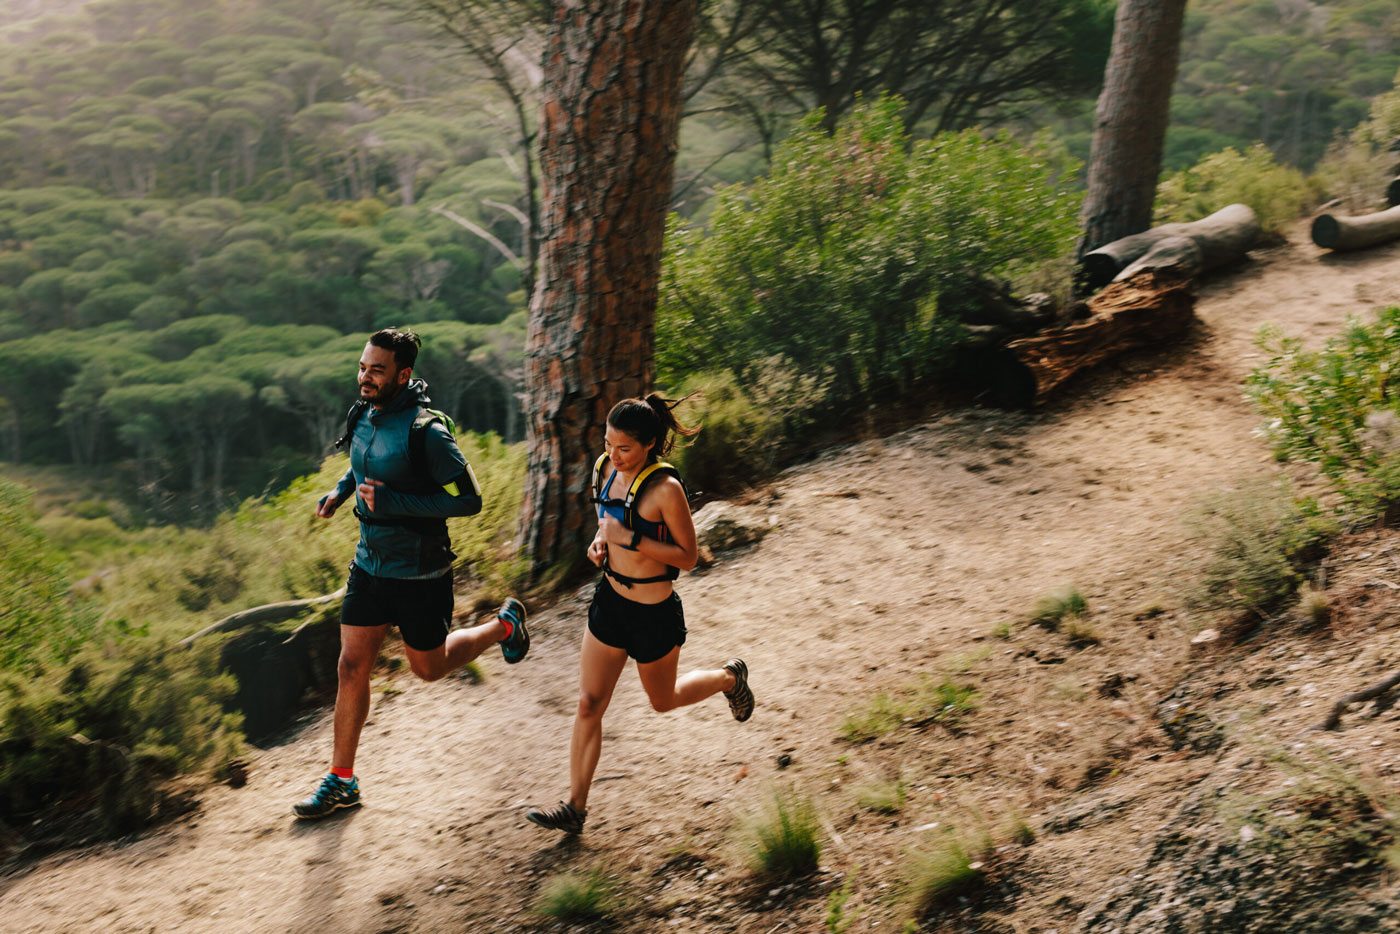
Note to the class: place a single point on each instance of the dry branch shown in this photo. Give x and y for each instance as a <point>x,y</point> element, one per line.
<point>267,613</point>
<point>1334,719</point>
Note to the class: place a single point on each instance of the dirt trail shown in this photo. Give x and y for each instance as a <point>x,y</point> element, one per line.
<point>889,558</point>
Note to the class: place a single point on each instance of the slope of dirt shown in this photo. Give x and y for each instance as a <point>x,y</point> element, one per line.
<point>889,560</point>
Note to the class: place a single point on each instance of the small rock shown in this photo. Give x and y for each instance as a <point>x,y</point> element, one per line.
<point>785,760</point>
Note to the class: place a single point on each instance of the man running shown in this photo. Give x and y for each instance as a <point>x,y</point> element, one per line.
<point>408,476</point>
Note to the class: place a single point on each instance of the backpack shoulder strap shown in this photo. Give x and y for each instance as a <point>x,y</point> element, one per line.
<point>639,483</point>
<point>351,417</point>
<point>600,467</point>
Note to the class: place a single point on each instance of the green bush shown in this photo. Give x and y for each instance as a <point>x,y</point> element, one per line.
<point>738,442</point>
<point>833,266</point>
<point>1277,193</point>
<point>1316,403</point>
<point>39,623</point>
<point>94,740</point>
<point>1261,541</point>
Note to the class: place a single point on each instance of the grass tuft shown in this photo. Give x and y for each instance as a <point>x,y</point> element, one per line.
<point>883,796</point>
<point>943,870</point>
<point>574,896</point>
<point>1053,608</point>
<point>782,837</point>
<point>945,702</point>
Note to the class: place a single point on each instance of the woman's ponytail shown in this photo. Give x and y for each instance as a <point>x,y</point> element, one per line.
<point>651,421</point>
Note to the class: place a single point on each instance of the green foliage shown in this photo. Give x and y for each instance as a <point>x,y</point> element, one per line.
<point>783,837</point>
<point>739,441</point>
<point>1316,403</point>
<point>943,702</point>
<point>834,267</point>
<point>577,897</point>
<point>41,623</point>
<point>838,920</point>
<point>1276,193</point>
<point>1261,541</point>
<point>98,736</point>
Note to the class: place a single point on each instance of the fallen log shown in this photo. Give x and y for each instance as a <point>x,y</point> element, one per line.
<point>1179,256</point>
<point>1148,309</point>
<point>1333,232</point>
<point>1222,238</point>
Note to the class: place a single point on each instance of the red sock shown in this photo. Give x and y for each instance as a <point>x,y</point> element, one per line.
<point>345,774</point>
<point>510,627</point>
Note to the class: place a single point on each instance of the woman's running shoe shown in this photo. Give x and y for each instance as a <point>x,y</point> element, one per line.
<point>514,646</point>
<point>739,696</point>
<point>564,817</point>
<point>334,793</point>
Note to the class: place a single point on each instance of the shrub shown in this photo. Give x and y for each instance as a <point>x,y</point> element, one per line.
<point>95,739</point>
<point>38,622</point>
<point>834,264</point>
<point>782,837</point>
<point>1317,403</point>
<point>738,442</point>
<point>577,897</point>
<point>1276,193</point>
<point>1261,539</point>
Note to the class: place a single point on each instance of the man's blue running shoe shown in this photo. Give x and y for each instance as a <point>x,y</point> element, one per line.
<point>334,793</point>
<point>515,646</point>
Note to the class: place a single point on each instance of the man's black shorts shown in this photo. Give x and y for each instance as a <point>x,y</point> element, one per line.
<point>646,630</point>
<point>421,608</point>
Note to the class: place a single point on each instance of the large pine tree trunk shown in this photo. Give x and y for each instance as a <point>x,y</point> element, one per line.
<point>1130,123</point>
<point>608,133</point>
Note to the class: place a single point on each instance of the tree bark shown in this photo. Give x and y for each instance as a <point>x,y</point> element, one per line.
<point>1333,232</point>
<point>608,134</point>
<point>1130,122</point>
<point>1146,310</point>
<point>1222,238</point>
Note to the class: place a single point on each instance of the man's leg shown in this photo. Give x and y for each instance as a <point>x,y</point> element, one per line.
<point>359,650</point>
<point>666,692</point>
<point>462,646</point>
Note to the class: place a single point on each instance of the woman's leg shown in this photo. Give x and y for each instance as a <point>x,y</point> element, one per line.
<point>599,667</point>
<point>666,692</point>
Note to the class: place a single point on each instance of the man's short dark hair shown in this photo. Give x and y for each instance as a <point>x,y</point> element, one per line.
<point>402,342</point>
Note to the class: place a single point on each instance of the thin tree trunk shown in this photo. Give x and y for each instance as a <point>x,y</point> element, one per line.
<point>608,133</point>
<point>1130,123</point>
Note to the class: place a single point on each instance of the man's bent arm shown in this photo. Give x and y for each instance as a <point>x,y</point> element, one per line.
<point>460,494</point>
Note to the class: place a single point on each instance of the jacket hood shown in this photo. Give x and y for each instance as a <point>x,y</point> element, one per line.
<point>411,396</point>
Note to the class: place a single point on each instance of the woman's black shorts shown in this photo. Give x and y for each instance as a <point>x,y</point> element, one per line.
<point>422,607</point>
<point>646,630</point>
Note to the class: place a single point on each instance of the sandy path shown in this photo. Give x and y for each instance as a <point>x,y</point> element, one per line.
<point>887,556</point>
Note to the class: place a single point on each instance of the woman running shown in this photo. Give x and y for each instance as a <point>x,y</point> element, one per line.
<point>635,610</point>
